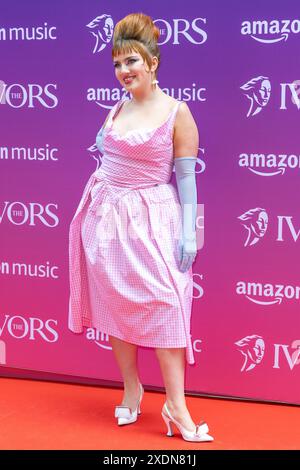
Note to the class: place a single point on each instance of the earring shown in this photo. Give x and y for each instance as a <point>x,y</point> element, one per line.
<point>154,82</point>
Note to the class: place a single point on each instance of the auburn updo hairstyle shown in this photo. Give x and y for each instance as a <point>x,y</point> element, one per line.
<point>137,32</point>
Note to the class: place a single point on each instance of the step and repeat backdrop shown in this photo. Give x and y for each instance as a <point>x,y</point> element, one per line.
<point>237,65</point>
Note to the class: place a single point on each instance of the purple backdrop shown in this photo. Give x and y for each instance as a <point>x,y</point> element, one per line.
<point>236,64</point>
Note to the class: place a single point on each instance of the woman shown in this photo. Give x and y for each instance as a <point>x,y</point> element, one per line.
<point>138,288</point>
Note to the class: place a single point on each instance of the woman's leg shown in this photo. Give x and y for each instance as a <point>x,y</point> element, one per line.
<point>172,365</point>
<point>126,356</point>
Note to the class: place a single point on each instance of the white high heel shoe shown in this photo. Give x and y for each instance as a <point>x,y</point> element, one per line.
<point>199,435</point>
<point>124,414</point>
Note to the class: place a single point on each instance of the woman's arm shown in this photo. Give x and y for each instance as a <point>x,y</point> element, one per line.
<point>186,136</point>
<point>100,133</point>
<point>186,141</point>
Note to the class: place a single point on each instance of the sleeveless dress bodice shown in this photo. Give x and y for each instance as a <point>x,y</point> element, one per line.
<point>142,157</point>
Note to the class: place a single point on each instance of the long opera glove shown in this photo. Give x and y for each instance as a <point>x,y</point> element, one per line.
<point>187,190</point>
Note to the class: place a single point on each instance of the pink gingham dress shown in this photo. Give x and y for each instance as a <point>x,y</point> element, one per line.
<point>127,283</point>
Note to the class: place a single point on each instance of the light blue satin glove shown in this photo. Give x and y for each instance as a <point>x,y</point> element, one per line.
<point>99,137</point>
<point>99,140</point>
<point>187,190</point>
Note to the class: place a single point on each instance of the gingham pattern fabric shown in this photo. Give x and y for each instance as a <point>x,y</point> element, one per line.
<point>127,283</point>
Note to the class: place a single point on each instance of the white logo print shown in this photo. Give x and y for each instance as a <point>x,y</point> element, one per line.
<point>292,360</point>
<point>253,349</point>
<point>278,28</point>
<point>18,268</point>
<point>101,339</point>
<point>288,219</point>
<point>30,95</point>
<point>270,164</point>
<point>294,89</point>
<point>2,92</point>
<point>258,91</point>
<point>20,327</point>
<point>28,33</point>
<point>19,213</point>
<point>101,96</point>
<point>30,153</point>
<point>2,353</point>
<point>255,222</point>
<point>253,291</point>
<point>101,28</point>
<point>181,28</point>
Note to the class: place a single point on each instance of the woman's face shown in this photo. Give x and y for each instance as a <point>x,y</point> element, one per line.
<point>131,71</point>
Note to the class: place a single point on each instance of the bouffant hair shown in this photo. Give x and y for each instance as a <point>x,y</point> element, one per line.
<point>137,32</point>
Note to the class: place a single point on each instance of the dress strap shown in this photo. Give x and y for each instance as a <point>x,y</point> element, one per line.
<point>172,116</point>
<point>112,113</point>
<point>115,110</point>
<point>109,116</point>
<point>176,107</point>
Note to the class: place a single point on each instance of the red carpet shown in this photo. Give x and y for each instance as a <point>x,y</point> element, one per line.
<point>48,415</point>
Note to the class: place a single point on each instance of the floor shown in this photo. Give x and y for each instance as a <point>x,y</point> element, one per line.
<point>50,415</point>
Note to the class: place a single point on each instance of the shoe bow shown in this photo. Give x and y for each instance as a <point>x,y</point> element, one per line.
<point>201,428</point>
<point>122,412</point>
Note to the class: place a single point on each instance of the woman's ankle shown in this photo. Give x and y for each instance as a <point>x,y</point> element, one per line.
<point>178,406</point>
<point>132,387</point>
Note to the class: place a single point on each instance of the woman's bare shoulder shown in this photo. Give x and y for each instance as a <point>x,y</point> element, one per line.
<point>186,134</point>
<point>184,114</point>
<point>183,108</point>
<point>169,101</point>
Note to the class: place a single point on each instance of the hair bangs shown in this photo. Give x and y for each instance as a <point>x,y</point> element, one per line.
<point>126,46</point>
